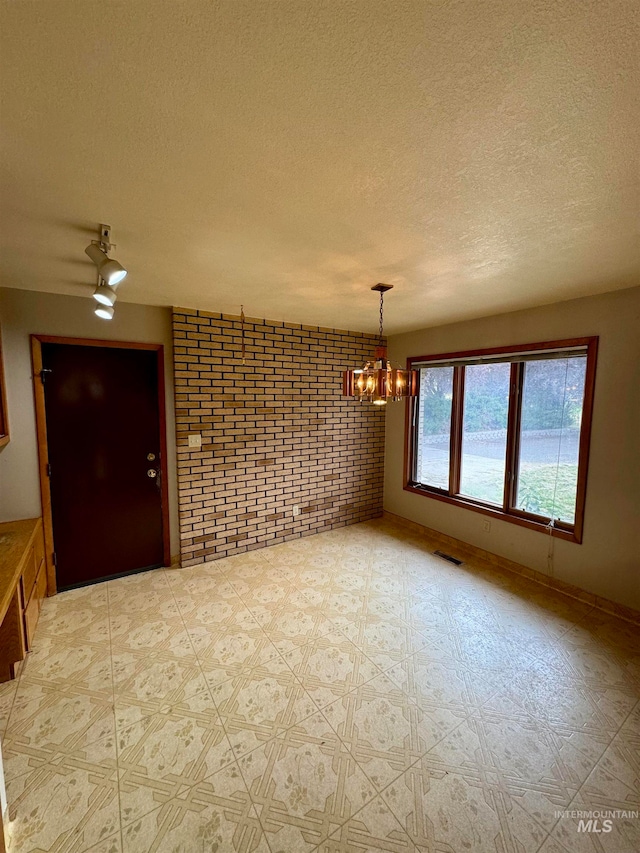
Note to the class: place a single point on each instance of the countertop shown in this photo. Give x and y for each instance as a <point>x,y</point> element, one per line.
<point>15,539</point>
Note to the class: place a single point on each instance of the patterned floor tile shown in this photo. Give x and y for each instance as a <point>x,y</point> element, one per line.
<point>615,781</point>
<point>47,722</point>
<point>554,694</point>
<point>288,623</point>
<point>445,683</point>
<point>213,815</point>
<point>164,755</point>
<point>268,588</point>
<point>374,828</point>
<point>66,807</point>
<point>204,612</point>
<point>555,612</point>
<point>93,597</point>
<point>385,639</point>
<point>162,630</point>
<point>600,654</point>
<point>147,685</point>
<point>490,650</point>
<point>385,731</point>
<point>71,625</point>
<point>330,666</point>
<point>177,576</point>
<point>424,611</point>
<point>631,727</point>
<point>451,810</point>
<point>231,648</point>
<point>349,691</point>
<point>146,592</point>
<point>519,757</point>
<point>305,784</point>
<point>587,828</point>
<point>85,665</point>
<point>7,695</point>
<point>197,700</point>
<point>112,844</point>
<point>260,703</point>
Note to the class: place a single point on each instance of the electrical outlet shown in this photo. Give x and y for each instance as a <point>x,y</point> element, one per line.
<point>296,509</point>
<point>486,526</point>
<point>195,439</point>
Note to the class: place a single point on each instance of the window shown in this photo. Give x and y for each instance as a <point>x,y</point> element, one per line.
<point>506,432</point>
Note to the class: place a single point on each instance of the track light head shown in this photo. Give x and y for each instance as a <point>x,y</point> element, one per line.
<point>108,268</point>
<point>105,294</point>
<point>105,312</point>
<point>113,272</point>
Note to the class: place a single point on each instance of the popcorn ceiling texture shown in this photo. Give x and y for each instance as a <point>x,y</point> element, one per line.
<point>482,157</point>
<point>276,432</point>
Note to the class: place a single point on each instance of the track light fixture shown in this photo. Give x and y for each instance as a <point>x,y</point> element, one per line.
<point>110,273</point>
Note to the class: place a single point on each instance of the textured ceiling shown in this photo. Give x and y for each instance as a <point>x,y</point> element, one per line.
<point>481,157</point>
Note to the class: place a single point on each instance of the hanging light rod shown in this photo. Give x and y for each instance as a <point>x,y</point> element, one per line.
<point>377,382</point>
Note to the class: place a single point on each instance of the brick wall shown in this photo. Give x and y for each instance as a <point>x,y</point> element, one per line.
<point>275,432</point>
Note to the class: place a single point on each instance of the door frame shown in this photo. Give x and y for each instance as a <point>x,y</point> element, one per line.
<point>43,446</point>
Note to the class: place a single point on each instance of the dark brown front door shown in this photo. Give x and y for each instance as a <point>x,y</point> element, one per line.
<point>103,435</point>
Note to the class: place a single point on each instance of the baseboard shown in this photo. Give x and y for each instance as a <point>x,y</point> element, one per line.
<point>461,549</point>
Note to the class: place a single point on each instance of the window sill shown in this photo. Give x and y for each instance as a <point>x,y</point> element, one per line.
<point>514,517</point>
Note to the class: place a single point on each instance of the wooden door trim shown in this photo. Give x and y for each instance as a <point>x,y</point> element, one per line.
<point>43,446</point>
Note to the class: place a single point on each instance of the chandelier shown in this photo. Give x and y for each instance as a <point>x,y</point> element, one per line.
<point>377,381</point>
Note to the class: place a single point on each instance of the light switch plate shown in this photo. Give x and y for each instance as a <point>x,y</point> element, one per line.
<point>195,439</point>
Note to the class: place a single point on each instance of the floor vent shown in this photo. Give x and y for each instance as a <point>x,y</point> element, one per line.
<point>448,557</point>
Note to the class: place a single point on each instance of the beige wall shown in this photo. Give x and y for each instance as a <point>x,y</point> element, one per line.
<point>608,561</point>
<point>24,312</point>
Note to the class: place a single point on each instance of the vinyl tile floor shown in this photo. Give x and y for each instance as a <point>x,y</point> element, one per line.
<point>342,693</point>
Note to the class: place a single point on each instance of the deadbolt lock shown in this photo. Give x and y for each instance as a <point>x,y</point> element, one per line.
<point>151,457</point>
<point>152,473</point>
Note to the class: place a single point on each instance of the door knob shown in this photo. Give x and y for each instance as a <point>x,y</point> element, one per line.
<point>152,473</point>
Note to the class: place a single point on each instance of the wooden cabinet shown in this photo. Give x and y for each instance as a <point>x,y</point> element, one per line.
<point>23,586</point>
<point>32,609</point>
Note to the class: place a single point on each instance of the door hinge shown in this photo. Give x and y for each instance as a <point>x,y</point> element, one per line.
<point>54,557</point>
<point>49,469</point>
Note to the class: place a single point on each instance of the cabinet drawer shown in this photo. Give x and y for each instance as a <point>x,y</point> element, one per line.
<point>29,573</point>
<point>31,619</point>
<point>38,546</point>
<point>32,610</point>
